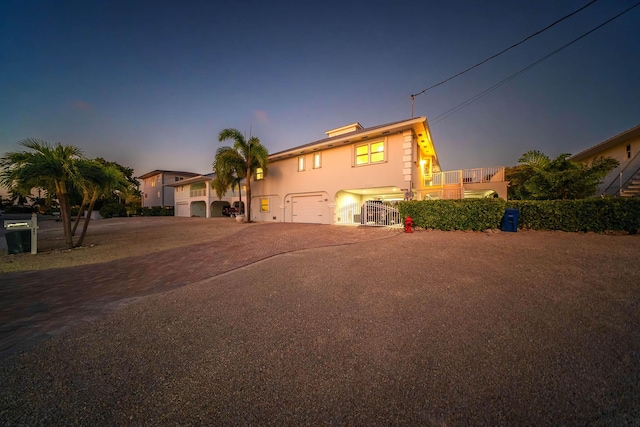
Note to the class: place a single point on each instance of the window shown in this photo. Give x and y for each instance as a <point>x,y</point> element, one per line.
<point>317,161</point>
<point>629,151</point>
<point>370,153</point>
<point>300,163</point>
<point>259,174</point>
<point>153,183</point>
<point>264,204</point>
<point>158,194</point>
<point>178,178</point>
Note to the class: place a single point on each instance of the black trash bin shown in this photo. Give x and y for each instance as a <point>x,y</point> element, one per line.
<point>510,220</point>
<point>18,241</point>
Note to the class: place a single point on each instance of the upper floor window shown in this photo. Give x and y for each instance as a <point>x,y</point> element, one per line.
<point>629,151</point>
<point>259,174</point>
<point>372,152</point>
<point>178,178</point>
<point>153,183</point>
<point>300,163</point>
<point>317,161</point>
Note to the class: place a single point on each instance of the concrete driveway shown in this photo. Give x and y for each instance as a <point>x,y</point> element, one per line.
<point>430,328</point>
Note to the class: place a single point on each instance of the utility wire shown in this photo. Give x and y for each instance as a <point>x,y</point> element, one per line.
<point>513,76</point>
<point>504,50</point>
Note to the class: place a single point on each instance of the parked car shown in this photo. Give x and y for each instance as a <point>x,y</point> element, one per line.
<point>236,209</point>
<point>377,212</point>
<point>229,211</point>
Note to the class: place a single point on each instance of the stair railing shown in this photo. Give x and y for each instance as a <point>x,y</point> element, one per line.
<point>633,167</point>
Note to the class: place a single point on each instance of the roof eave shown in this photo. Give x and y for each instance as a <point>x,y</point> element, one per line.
<point>614,140</point>
<point>349,138</point>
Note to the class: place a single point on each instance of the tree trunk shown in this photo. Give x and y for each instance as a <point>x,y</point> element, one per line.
<point>248,210</point>
<point>75,224</point>
<point>65,215</point>
<point>85,226</point>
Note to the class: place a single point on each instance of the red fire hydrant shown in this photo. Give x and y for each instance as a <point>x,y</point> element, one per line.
<point>408,225</point>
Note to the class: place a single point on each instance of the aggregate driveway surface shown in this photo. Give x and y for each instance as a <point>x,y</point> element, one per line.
<point>429,328</point>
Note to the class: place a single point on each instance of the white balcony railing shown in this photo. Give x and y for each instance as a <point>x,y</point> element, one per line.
<point>198,193</point>
<point>464,176</point>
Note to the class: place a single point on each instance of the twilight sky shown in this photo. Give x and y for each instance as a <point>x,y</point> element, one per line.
<point>150,84</point>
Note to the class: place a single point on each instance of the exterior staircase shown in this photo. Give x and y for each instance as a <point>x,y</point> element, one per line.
<point>631,188</point>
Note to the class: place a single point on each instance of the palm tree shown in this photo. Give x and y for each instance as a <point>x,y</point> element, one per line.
<point>229,170</point>
<point>561,178</point>
<point>97,180</point>
<point>52,167</point>
<point>238,162</point>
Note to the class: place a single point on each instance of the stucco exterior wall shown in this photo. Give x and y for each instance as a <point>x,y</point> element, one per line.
<point>618,152</point>
<point>152,191</point>
<point>625,157</point>
<point>189,203</point>
<point>338,172</point>
<point>156,193</point>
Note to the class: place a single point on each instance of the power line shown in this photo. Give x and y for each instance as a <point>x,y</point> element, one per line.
<point>504,50</point>
<point>528,67</point>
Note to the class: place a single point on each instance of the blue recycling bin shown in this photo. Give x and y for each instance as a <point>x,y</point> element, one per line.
<point>510,220</point>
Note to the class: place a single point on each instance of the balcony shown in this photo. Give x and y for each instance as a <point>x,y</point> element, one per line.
<point>464,183</point>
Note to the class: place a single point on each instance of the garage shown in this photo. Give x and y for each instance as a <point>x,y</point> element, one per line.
<point>182,209</point>
<point>217,207</point>
<point>307,209</point>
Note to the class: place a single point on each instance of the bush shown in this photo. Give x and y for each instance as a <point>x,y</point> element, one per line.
<point>19,209</point>
<point>110,210</point>
<point>465,214</point>
<point>597,215</point>
<point>157,211</point>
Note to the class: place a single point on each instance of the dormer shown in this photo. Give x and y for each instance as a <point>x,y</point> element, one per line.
<point>344,129</point>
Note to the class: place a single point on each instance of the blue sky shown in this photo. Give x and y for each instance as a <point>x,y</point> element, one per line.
<point>150,84</point>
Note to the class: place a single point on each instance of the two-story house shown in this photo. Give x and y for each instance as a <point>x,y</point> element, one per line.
<point>625,179</point>
<point>195,197</point>
<point>155,191</point>
<point>338,179</point>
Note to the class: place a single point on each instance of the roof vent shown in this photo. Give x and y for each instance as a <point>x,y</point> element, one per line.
<point>344,129</point>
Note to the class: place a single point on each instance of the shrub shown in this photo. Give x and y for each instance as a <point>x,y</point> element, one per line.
<point>109,210</point>
<point>157,211</point>
<point>597,215</point>
<point>465,214</point>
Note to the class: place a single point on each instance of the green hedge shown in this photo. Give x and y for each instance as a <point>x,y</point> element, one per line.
<point>598,215</point>
<point>157,211</point>
<point>469,214</point>
<point>109,210</point>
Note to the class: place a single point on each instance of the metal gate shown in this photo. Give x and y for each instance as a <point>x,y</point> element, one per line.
<point>370,213</point>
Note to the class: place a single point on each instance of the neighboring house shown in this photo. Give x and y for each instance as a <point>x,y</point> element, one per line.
<point>154,187</point>
<point>331,180</point>
<point>625,179</point>
<point>195,197</point>
<point>356,175</point>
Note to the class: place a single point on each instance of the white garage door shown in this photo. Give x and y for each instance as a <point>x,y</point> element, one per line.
<point>182,209</point>
<point>307,209</point>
